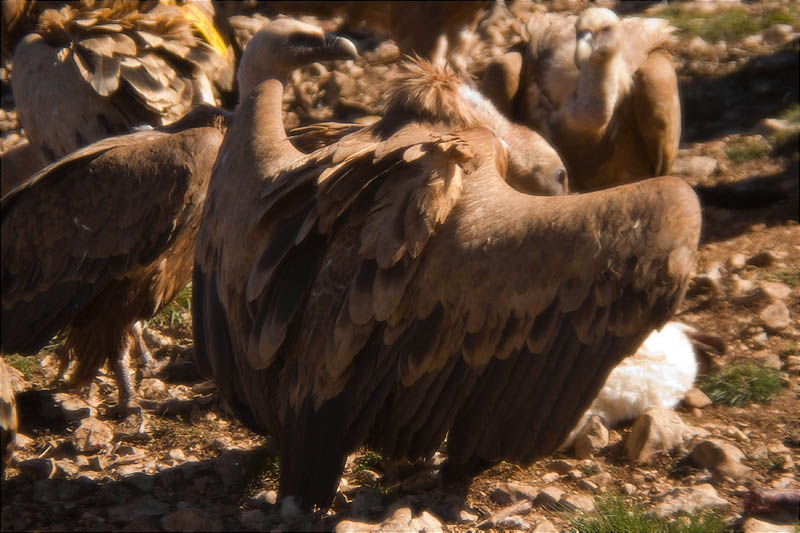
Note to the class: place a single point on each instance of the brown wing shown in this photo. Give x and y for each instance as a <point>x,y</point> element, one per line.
<point>94,216</point>
<point>395,279</point>
<point>102,72</point>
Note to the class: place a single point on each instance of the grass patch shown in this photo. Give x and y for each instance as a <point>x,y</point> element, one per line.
<point>791,114</point>
<point>29,365</point>
<point>727,24</point>
<point>369,461</point>
<point>787,277</point>
<point>613,513</point>
<point>742,384</point>
<point>178,310</point>
<point>745,149</point>
<point>175,433</point>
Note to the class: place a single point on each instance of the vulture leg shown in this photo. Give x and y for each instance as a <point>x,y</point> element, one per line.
<point>119,363</point>
<point>63,355</point>
<point>658,111</point>
<point>150,366</point>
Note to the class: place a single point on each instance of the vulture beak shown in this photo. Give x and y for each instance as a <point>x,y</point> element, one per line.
<point>584,47</point>
<point>339,47</point>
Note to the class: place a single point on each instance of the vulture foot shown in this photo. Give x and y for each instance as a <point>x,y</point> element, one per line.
<point>461,474</point>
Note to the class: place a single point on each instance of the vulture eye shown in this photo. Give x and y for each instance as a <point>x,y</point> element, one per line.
<point>300,40</point>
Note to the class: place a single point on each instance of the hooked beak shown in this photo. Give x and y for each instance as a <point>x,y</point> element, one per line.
<point>340,47</point>
<point>583,47</point>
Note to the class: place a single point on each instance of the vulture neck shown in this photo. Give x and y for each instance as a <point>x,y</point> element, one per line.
<point>592,104</point>
<point>262,113</point>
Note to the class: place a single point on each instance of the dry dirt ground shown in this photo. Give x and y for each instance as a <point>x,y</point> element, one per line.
<point>186,463</point>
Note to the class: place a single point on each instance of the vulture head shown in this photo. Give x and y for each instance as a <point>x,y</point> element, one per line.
<point>284,45</point>
<point>597,35</point>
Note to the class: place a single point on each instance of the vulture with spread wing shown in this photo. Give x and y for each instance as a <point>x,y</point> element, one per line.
<point>600,88</point>
<point>102,239</point>
<point>392,288</point>
<point>89,73</point>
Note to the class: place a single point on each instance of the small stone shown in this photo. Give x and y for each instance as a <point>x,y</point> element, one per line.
<point>782,483</point>
<point>655,431</point>
<point>629,489</point>
<point>508,493</point>
<point>721,458</point>
<point>543,525</point>
<point>97,463</point>
<point>153,389</point>
<point>577,502</point>
<point>562,466</point>
<point>520,508</point>
<point>133,476</point>
<point>133,428</point>
<point>592,438</point>
<point>695,398</point>
<point>689,500</point>
<point>465,517</point>
<point>263,500</point>
<point>697,46</point>
<point>36,469</point>
<point>602,479</point>
<point>67,468</point>
<point>585,484</point>
<point>516,523</point>
<point>548,497</point>
<point>773,126</point>
<point>549,477</point>
<point>736,262</point>
<point>736,433</point>
<point>775,316</point>
<point>753,42</point>
<point>778,33</point>
<point>92,436</point>
<point>698,166</point>
<point>75,409</point>
<point>23,441</point>
<point>191,519</point>
<point>762,259</point>
<point>176,454</point>
<point>753,525</point>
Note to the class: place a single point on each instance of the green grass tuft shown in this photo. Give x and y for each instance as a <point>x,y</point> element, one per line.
<point>726,24</point>
<point>369,461</point>
<point>613,513</point>
<point>742,384</point>
<point>28,365</point>
<point>788,277</point>
<point>745,149</point>
<point>178,310</point>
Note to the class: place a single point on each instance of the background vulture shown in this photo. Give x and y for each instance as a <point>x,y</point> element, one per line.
<point>103,238</point>
<point>391,288</point>
<point>600,89</point>
<point>89,73</point>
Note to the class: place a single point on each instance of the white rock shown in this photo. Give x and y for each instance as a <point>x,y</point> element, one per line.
<point>775,316</point>
<point>696,398</point>
<point>698,166</point>
<point>549,497</point>
<point>753,525</point>
<point>543,525</point>
<point>92,436</point>
<point>690,499</point>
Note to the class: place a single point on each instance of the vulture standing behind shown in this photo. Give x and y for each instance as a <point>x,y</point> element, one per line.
<point>392,288</point>
<point>89,73</point>
<point>600,89</point>
<point>102,239</point>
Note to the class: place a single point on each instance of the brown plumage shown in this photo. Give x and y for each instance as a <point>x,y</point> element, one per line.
<point>104,238</point>
<point>89,73</point>
<point>600,89</point>
<point>8,417</point>
<point>391,288</point>
<point>18,164</point>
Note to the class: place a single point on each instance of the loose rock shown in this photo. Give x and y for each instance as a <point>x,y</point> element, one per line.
<point>721,458</point>
<point>191,519</point>
<point>775,316</point>
<point>689,500</point>
<point>549,497</point>
<point>493,521</point>
<point>754,525</point>
<point>577,502</point>
<point>697,166</point>
<point>695,398</point>
<point>655,431</point>
<point>508,493</point>
<point>92,436</point>
<point>592,438</point>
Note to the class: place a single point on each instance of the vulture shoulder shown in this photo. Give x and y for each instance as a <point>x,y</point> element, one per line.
<point>102,71</point>
<point>99,214</point>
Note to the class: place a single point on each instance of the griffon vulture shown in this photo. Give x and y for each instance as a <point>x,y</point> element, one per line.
<point>102,239</point>
<point>87,73</point>
<point>600,89</point>
<point>392,288</point>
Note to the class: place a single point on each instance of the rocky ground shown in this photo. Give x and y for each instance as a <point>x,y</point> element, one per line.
<point>185,463</point>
